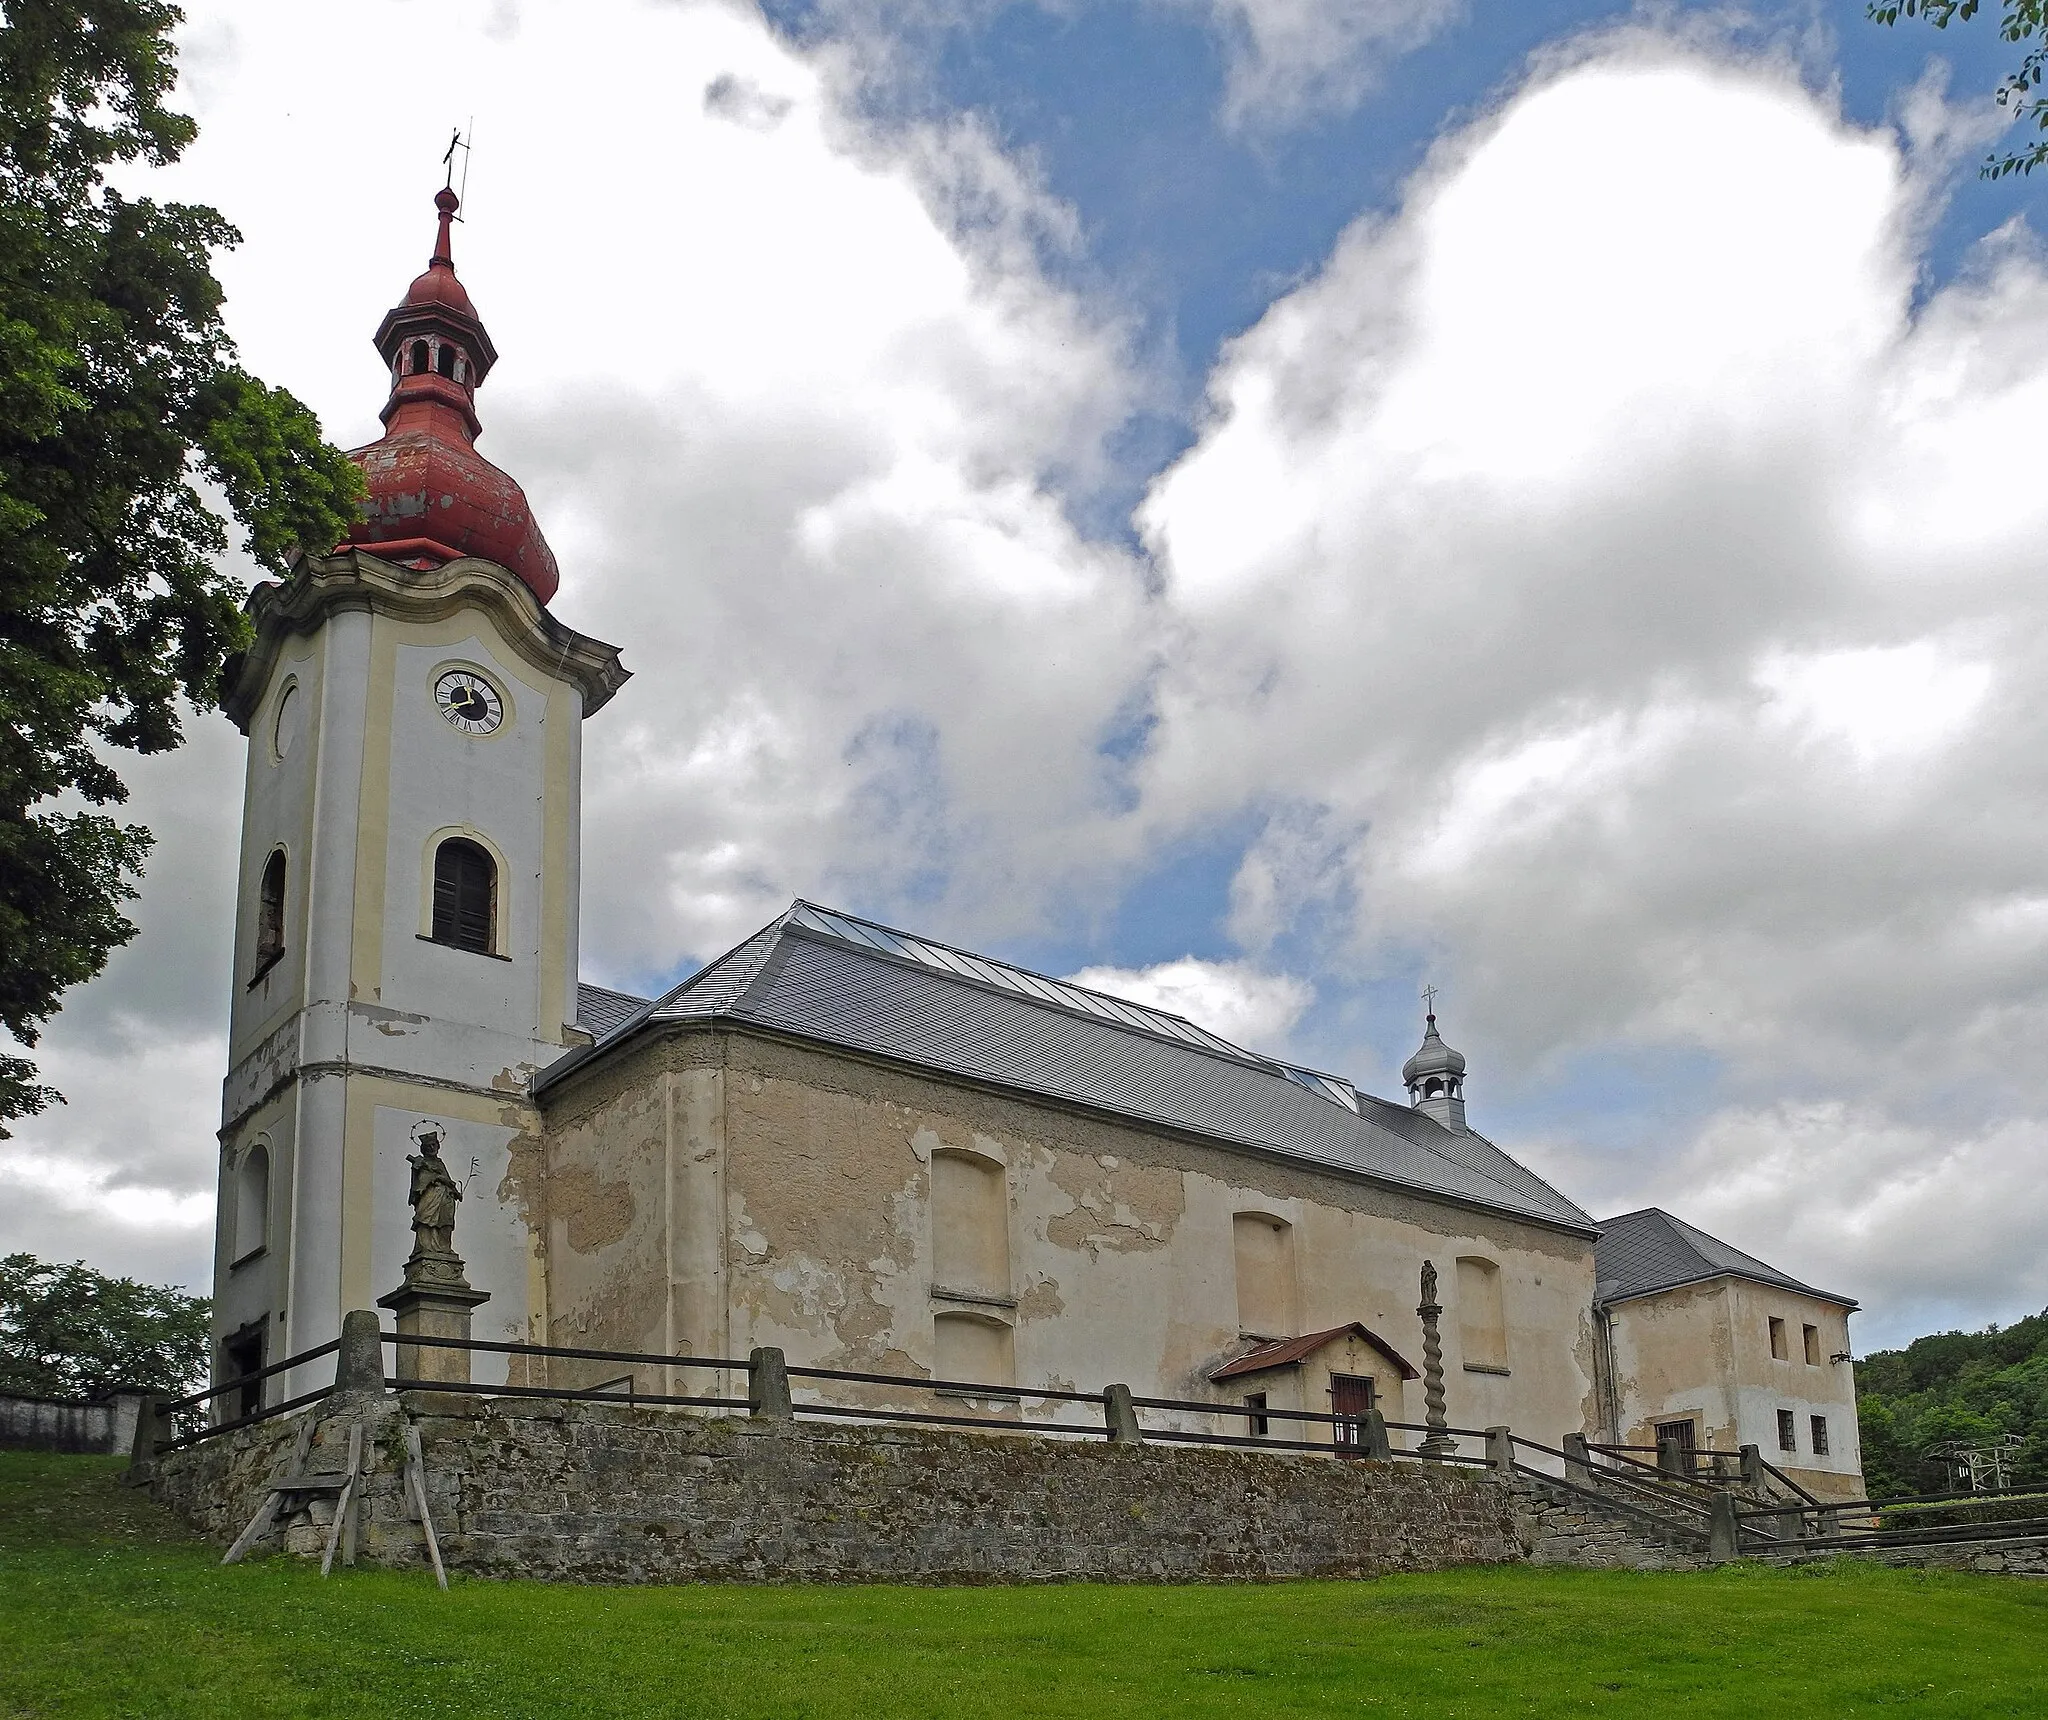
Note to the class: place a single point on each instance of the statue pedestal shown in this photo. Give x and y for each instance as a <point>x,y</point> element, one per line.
<point>433,1311</point>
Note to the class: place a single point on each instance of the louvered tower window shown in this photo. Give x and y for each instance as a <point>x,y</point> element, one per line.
<point>465,896</point>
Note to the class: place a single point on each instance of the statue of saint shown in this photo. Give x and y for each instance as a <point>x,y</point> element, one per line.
<point>434,1194</point>
<point>1428,1283</point>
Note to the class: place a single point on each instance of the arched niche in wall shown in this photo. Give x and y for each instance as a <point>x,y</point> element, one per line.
<point>970,1210</point>
<point>251,1216</point>
<point>1262,1255</point>
<point>974,1349</point>
<point>1482,1316</point>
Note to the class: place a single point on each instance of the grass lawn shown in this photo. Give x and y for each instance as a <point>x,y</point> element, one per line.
<point>107,1609</point>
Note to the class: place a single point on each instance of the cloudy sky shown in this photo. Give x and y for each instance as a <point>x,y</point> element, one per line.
<point>1263,503</point>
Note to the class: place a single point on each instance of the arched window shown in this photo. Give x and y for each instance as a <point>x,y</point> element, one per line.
<point>1482,1320</point>
<point>973,1350</point>
<point>252,1203</point>
<point>419,357</point>
<point>970,1224</point>
<point>444,360</point>
<point>465,896</point>
<point>270,911</point>
<point>1263,1250</point>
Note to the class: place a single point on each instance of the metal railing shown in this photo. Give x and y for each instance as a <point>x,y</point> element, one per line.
<point>164,1414</point>
<point>1693,1507</point>
<point>1150,1419</point>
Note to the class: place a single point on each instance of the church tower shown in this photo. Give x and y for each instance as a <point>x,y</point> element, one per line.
<point>1435,1079</point>
<point>406,930</point>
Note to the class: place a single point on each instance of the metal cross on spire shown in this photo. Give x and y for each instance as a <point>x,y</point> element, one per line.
<point>1429,1000</point>
<point>458,139</point>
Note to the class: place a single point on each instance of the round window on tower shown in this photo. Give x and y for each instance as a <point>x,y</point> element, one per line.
<point>469,701</point>
<point>291,717</point>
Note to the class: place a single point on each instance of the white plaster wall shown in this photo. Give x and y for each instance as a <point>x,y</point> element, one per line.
<point>493,784</point>
<point>277,810</point>
<point>494,1244</point>
<point>1705,1349</point>
<point>1122,1264</point>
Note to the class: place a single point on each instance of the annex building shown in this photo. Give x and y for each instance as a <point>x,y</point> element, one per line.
<point>871,1149</point>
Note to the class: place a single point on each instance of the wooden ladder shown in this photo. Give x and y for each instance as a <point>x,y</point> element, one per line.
<point>286,1490</point>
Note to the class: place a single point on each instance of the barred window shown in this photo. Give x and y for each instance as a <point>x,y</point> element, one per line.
<point>465,896</point>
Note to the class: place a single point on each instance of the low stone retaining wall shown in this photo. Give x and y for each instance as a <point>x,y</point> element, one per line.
<point>48,1424</point>
<point>2018,1557</point>
<point>589,1492</point>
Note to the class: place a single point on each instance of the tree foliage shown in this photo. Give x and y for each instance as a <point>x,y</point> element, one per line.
<point>120,395</point>
<point>1975,1387</point>
<point>68,1331</point>
<point>2023,21</point>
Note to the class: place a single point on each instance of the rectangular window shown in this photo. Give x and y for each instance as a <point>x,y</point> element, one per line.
<point>1676,1441</point>
<point>1788,1431</point>
<point>1820,1436</point>
<point>1778,1350</point>
<point>1351,1403</point>
<point>1256,1425</point>
<point>1812,1336</point>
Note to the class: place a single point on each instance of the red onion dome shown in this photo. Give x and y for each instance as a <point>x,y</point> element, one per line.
<point>433,497</point>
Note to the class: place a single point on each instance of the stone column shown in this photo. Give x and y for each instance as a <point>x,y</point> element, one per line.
<point>433,1311</point>
<point>1438,1443</point>
<point>768,1385</point>
<point>1120,1416</point>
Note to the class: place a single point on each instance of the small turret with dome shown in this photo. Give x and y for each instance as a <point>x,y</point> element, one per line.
<point>433,498</point>
<point>1435,1076</point>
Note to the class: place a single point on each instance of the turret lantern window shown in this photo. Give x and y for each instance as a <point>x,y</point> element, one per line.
<point>419,357</point>
<point>465,896</point>
<point>444,361</point>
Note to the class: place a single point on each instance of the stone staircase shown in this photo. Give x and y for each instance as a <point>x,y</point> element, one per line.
<point>1561,1523</point>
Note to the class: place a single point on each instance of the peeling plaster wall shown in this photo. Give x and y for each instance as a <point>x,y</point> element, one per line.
<point>713,1191</point>
<point>1703,1351</point>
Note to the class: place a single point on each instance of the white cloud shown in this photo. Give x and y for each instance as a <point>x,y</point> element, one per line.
<point>801,416</point>
<point>1288,60</point>
<point>1600,577</point>
<point>1630,599</point>
<point>1239,1001</point>
<point>1922,1210</point>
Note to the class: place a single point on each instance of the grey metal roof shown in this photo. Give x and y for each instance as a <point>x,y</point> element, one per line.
<point>799,975</point>
<point>1643,1252</point>
<point>601,1011</point>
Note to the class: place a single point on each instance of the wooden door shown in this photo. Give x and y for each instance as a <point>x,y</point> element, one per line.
<point>1351,1403</point>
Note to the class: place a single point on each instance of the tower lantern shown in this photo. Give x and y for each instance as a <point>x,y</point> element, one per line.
<point>1435,1078</point>
<point>433,497</point>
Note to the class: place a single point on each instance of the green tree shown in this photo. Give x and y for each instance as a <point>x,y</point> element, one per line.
<point>68,1331</point>
<point>1971,1387</point>
<point>120,395</point>
<point>2022,22</point>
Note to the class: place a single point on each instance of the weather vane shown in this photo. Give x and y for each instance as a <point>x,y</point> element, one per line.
<point>458,139</point>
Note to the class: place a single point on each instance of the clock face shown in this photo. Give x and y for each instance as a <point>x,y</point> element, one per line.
<point>469,702</point>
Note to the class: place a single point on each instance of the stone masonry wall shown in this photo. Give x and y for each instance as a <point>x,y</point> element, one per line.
<point>586,1492</point>
<point>1560,1527</point>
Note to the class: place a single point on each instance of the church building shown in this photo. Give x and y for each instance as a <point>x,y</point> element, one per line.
<point>874,1150</point>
